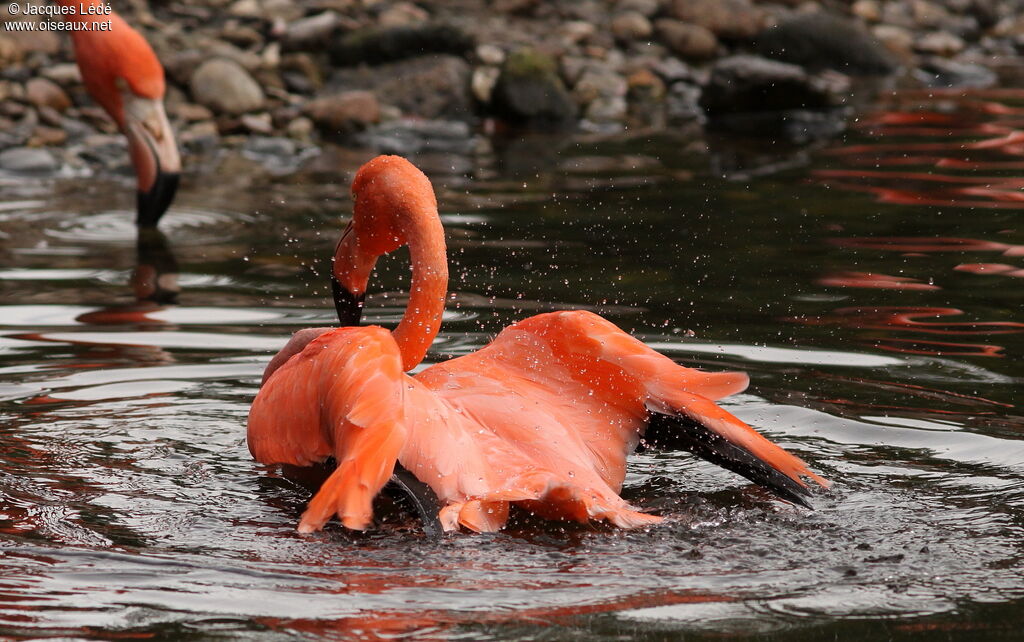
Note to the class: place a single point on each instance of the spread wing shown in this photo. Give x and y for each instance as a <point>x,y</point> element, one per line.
<point>341,395</point>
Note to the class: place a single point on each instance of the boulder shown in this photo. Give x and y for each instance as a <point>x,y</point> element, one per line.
<point>743,84</point>
<point>225,87</point>
<point>826,41</point>
<point>529,92</point>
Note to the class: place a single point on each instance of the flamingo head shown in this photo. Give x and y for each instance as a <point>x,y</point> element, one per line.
<point>394,205</point>
<point>122,73</point>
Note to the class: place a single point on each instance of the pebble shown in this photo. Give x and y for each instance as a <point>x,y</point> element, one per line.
<point>28,160</point>
<point>689,41</point>
<point>224,86</point>
<point>344,112</point>
<point>46,93</point>
<point>631,25</point>
<point>940,43</point>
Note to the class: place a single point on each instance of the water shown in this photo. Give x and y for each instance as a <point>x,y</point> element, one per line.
<point>870,286</point>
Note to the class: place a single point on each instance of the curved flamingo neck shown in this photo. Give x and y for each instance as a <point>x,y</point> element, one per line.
<point>422,318</point>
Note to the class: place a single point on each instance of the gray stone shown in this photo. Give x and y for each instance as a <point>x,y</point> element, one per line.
<point>311,32</point>
<point>225,87</point>
<point>28,160</point>
<point>941,72</point>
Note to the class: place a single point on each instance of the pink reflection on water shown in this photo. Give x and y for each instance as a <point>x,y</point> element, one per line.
<point>850,279</point>
<point>981,134</point>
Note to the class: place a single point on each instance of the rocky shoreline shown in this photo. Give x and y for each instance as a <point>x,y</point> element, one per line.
<point>396,76</point>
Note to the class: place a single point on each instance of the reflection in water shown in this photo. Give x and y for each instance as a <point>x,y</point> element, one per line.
<point>977,132</point>
<point>909,319</point>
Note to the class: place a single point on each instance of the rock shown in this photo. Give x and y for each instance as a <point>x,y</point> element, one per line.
<point>345,112</point>
<point>631,25</point>
<point>728,19</point>
<point>300,128</point>
<point>645,96</point>
<point>42,92</point>
<point>483,82</point>
<point>28,160</point>
<point>301,73</point>
<point>241,35</point>
<point>311,33</point>
<point>402,14</point>
<point>398,43</point>
<point>282,10</point>
<point>825,41</point>
<point>941,72</point>
<point>646,8</point>
<point>10,51</point>
<point>692,42</point>
<point>897,40</point>
<point>11,91</point>
<point>47,136</point>
<point>868,10</point>
<point>683,102</point>
<point>429,86</point>
<point>245,9</point>
<point>201,135</point>
<point>225,87</point>
<point>743,84</point>
<point>928,14</point>
<point>940,43</point>
<point>490,54</point>
<point>64,74</point>
<point>529,92</point>
<point>576,31</point>
<point>606,109</point>
<point>599,81</point>
<point>180,65</point>
<point>258,123</point>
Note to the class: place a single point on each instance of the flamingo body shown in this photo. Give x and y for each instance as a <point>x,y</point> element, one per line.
<point>544,416</point>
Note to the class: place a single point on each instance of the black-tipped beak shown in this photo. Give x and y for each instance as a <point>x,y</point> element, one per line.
<point>153,203</point>
<point>348,305</point>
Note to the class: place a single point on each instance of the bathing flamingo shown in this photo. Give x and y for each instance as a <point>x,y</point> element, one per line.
<point>544,416</point>
<point>124,76</point>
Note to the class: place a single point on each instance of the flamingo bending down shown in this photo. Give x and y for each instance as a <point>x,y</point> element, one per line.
<point>543,416</point>
<point>121,72</point>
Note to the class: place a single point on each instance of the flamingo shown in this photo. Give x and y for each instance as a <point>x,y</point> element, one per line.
<point>121,72</point>
<point>544,416</point>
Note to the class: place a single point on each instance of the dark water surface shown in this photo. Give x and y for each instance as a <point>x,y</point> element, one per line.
<point>871,287</point>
